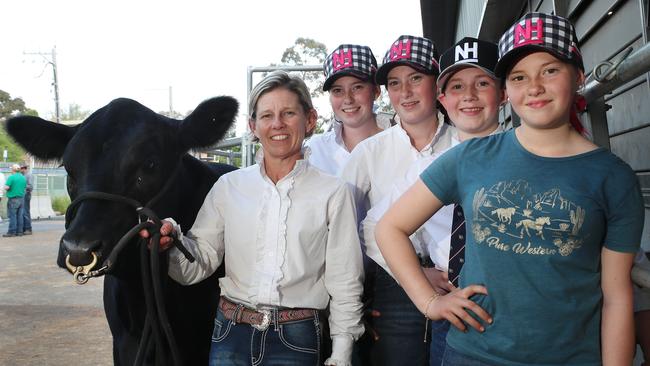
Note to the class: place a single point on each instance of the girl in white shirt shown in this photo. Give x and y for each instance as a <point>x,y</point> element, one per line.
<point>350,80</point>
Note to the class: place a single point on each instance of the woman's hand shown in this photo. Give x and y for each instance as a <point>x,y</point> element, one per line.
<point>167,234</point>
<point>454,307</point>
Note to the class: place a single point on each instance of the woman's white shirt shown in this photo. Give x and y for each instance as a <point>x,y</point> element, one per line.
<point>292,244</point>
<point>385,158</point>
<point>328,150</point>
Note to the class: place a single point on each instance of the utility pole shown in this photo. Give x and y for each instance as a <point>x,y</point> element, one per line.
<point>171,106</point>
<point>52,61</point>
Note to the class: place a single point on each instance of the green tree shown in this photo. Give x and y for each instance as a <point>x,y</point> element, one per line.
<point>10,107</point>
<point>75,113</point>
<point>306,51</point>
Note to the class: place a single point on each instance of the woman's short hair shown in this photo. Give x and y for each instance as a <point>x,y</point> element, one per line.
<point>281,79</point>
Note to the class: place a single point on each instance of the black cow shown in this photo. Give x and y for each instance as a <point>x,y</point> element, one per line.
<point>126,149</point>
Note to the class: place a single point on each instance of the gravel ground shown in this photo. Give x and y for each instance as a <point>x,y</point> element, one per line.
<point>46,319</point>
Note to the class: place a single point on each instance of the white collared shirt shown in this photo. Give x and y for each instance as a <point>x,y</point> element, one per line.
<point>328,150</point>
<point>433,238</point>
<point>385,158</point>
<point>293,244</point>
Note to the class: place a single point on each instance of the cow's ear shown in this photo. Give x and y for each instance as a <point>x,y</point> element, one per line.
<point>208,123</point>
<point>44,139</point>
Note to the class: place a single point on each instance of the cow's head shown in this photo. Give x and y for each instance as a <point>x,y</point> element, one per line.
<point>124,149</point>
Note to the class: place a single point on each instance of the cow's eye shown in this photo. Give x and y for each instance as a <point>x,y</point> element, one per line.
<point>151,165</point>
<point>139,180</point>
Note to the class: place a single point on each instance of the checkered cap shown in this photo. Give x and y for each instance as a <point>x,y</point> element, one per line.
<point>417,52</point>
<point>538,32</point>
<point>468,52</point>
<point>349,60</point>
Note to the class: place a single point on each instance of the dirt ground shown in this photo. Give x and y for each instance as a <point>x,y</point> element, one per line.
<point>45,318</point>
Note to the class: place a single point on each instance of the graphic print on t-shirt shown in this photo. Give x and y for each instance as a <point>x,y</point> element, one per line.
<point>512,217</point>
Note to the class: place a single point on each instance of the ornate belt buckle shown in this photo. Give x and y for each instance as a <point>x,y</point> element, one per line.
<point>266,320</point>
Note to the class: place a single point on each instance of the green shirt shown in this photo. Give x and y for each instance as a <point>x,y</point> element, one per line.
<point>17,184</point>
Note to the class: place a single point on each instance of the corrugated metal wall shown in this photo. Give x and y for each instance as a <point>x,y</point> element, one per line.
<point>606,28</point>
<point>469,22</point>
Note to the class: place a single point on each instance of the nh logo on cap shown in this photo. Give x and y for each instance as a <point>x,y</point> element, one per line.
<point>401,50</point>
<point>342,60</point>
<point>530,34</point>
<point>467,53</point>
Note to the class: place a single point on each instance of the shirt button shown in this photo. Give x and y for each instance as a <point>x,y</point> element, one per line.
<point>460,237</point>
<point>461,260</point>
<point>451,270</point>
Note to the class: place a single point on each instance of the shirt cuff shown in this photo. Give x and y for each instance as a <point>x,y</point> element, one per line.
<point>175,255</point>
<point>342,346</point>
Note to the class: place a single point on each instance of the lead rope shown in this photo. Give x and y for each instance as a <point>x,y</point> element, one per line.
<point>153,279</point>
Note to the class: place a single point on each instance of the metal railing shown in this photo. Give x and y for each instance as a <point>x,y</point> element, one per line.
<point>606,77</point>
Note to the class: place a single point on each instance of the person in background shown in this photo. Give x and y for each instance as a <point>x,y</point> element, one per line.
<point>2,191</point>
<point>27,215</point>
<point>288,236</point>
<point>350,80</point>
<point>15,187</point>
<point>554,222</point>
<point>377,164</point>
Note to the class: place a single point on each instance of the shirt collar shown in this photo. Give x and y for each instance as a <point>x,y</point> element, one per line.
<point>300,166</point>
<point>456,139</point>
<point>441,139</point>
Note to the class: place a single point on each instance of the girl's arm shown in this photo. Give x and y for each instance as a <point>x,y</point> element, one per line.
<point>617,328</point>
<point>410,211</point>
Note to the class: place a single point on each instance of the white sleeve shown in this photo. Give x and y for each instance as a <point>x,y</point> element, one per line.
<point>343,274</point>
<point>205,241</point>
<point>368,232</point>
<point>355,172</point>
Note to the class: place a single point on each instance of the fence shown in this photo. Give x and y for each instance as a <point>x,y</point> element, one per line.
<point>48,184</point>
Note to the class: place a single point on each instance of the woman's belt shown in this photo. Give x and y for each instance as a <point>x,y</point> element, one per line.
<point>261,319</point>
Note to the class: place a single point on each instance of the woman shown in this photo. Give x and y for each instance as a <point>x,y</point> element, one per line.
<point>288,235</point>
<point>553,223</point>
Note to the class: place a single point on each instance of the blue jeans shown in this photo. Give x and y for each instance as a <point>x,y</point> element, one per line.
<point>27,215</point>
<point>439,331</point>
<point>289,344</point>
<point>15,214</point>
<point>401,326</point>
<point>454,358</point>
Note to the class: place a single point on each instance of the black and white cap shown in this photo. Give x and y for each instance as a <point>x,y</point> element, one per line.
<point>417,52</point>
<point>538,32</point>
<point>349,60</point>
<point>468,52</point>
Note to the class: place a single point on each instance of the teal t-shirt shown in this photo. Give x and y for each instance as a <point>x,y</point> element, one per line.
<point>17,184</point>
<point>535,230</point>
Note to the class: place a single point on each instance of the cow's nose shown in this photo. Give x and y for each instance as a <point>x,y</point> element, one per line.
<point>80,254</point>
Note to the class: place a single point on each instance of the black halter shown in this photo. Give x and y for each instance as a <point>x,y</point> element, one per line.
<point>153,279</point>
